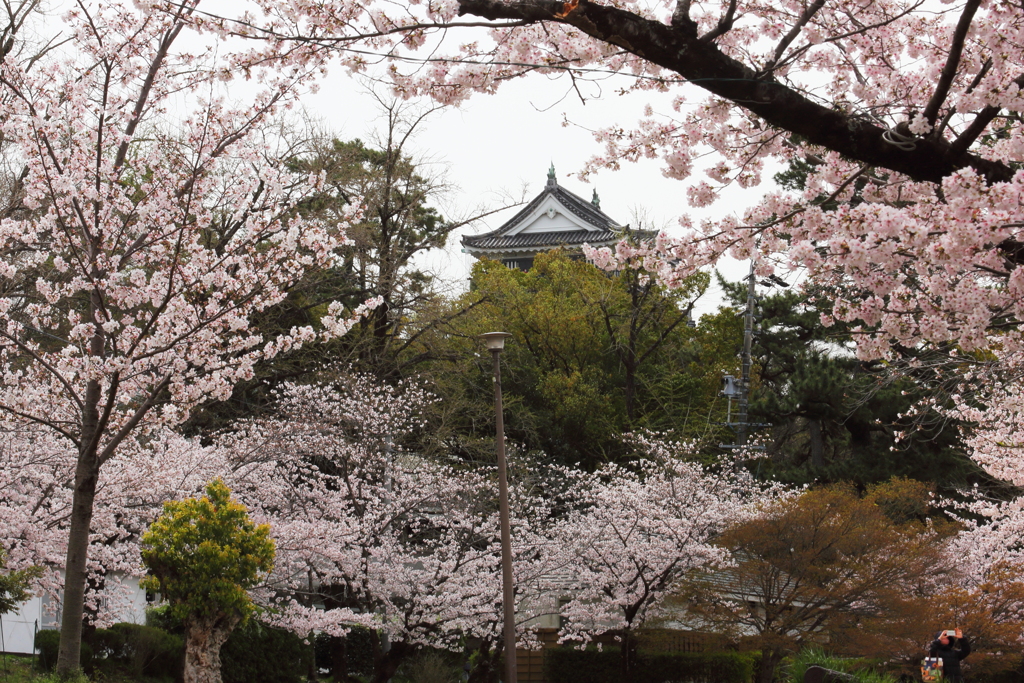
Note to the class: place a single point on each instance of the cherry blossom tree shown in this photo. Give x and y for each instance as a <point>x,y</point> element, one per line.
<point>637,534</point>
<point>37,477</point>
<point>138,244</point>
<point>905,114</point>
<point>366,533</point>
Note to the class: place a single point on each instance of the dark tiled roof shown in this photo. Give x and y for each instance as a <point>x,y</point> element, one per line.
<point>542,240</point>
<point>603,224</point>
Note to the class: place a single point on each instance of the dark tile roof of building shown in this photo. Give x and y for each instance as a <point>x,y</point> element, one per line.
<point>543,240</point>
<point>604,225</point>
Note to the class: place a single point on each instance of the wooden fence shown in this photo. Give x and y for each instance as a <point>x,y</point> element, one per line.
<point>530,663</point>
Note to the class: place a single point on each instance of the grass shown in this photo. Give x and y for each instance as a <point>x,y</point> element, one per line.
<point>19,669</point>
<point>817,657</point>
<point>23,669</point>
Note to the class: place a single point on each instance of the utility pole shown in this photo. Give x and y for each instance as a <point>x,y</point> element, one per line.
<point>496,342</point>
<point>740,389</point>
<point>748,343</point>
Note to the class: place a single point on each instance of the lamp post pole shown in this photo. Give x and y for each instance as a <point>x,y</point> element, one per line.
<point>495,343</point>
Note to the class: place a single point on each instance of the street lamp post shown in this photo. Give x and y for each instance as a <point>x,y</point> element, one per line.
<point>495,343</point>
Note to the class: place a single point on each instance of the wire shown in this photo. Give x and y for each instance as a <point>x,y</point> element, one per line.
<point>899,140</point>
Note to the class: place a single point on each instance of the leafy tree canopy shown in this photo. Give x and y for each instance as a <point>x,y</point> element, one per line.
<point>14,585</point>
<point>593,355</point>
<point>204,553</point>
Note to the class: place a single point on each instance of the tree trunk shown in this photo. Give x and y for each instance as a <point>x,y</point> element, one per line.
<point>488,663</point>
<point>203,640</point>
<point>630,389</point>
<point>628,661</point>
<point>817,444</point>
<point>313,673</point>
<point>87,473</point>
<point>75,572</point>
<point>339,659</point>
<point>766,666</point>
<point>386,665</point>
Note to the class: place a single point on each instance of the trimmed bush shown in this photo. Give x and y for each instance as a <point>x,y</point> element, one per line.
<point>257,653</point>
<point>432,666</point>
<point>161,618</point>
<point>565,665</point>
<point>48,644</point>
<point>145,650</point>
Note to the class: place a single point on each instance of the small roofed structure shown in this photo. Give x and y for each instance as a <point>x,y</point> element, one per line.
<point>555,218</point>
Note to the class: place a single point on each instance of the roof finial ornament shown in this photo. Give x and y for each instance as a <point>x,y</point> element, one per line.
<point>596,201</point>
<point>551,175</point>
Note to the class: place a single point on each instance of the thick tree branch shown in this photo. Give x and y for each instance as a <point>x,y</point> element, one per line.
<point>707,66</point>
<point>681,20</point>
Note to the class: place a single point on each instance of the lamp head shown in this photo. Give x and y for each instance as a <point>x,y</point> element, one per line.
<point>495,340</point>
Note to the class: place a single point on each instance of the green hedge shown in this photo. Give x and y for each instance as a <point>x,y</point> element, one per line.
<point>253,653</point>
<point>565,665</point>
<point>145,650</point>
<point>257,653</point>
<point>48,644</point>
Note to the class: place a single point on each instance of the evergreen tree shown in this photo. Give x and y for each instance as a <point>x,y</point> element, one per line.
<point>396,225</point>
<point>593,355</point>
<point>835,418</point>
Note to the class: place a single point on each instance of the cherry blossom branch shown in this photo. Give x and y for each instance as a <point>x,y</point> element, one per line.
<point>110,448</point>
<point>777,104</point>
<point>931,110</point>
<point>155,66</point>
<point>724,25</point>
<point>861,30</point>
<point>979,124</point>
<point>788,39</point>
<point>38,358</point>
<point>55,426</point>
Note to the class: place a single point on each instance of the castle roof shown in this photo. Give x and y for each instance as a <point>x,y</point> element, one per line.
<point>554,218</point>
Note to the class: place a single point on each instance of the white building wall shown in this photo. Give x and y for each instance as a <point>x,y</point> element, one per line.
<point>19,627</point>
